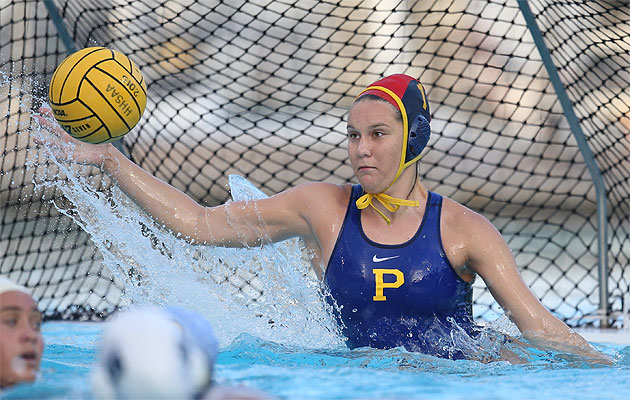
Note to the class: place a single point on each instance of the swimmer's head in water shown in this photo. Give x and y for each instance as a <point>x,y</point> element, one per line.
<point>21,341</point>
<point>155,353</point>
<point>407,95</point>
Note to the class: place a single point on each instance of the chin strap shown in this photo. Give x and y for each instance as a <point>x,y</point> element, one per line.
<point>390,203</point>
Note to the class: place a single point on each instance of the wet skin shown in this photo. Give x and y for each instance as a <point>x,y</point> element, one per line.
<point>21,341</point>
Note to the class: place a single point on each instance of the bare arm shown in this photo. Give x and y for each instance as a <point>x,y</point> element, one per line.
<point>489,255</point>
<point>233,224</point>
<point>163,202</point>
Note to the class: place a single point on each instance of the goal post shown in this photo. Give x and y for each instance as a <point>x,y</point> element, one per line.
<point>598,181</point>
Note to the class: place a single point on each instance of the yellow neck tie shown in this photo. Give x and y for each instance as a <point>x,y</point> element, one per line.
<point>390,203</point>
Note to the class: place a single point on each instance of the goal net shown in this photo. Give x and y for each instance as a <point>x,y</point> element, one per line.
<point>261,89</point>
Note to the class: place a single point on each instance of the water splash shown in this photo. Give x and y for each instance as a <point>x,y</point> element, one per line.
<point>267,291</point>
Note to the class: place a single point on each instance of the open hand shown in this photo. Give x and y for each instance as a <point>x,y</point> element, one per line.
<point>65,147</point>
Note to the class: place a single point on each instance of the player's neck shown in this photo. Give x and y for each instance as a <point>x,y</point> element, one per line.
<point>407,187</point>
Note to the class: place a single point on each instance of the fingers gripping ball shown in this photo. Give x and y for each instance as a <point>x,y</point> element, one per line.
<point>97,95</point>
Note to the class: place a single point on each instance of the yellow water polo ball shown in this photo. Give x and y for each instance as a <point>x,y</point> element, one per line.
<point>97,94</point>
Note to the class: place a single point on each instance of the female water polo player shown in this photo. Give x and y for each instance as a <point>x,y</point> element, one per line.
<point>21,340</point>
<point>399,260</point>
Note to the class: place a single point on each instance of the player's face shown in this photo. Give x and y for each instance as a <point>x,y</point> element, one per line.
<point>21,342</point>
<point>374,143</point>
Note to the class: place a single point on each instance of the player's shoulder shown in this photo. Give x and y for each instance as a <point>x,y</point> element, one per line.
<point>320,202</point>
<point>327,192</point>
<point>461,216</point>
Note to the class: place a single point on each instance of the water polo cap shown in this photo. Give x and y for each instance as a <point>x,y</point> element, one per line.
<point>407,95</point>
<point>9,286</point>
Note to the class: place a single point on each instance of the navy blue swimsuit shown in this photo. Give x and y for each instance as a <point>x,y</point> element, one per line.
<point>398,295</point>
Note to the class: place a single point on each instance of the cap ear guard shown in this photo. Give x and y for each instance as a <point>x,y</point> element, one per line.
<point>419,135</point>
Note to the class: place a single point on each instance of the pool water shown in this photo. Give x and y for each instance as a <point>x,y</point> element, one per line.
<point>294,372</point>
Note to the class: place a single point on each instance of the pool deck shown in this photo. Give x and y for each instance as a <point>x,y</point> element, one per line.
<point>597,335</point>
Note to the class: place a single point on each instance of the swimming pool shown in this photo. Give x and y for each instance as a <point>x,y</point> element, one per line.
<point>294,372</point>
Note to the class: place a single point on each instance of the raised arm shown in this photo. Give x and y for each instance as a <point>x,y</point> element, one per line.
<point>234,224</point>
<point>488,255</point>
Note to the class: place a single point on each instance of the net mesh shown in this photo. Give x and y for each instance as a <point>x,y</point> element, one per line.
<point>261,88</point>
